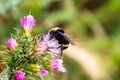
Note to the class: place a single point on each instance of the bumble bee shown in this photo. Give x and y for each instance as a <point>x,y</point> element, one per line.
<point>61,37</point>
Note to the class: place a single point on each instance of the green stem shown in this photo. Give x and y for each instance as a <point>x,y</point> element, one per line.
<point>41,76</point>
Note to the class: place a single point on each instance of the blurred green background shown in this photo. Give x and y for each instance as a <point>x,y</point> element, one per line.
<point>93,24</point>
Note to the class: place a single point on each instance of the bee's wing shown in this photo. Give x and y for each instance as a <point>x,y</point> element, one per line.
<point>67,38</point>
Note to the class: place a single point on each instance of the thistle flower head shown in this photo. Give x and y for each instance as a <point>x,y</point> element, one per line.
<point>57,65</point>
<point>12,44</point>
<point>28,23</point>
<point>44,72</point>
<point>54,47</point>
<point>20,75</point>
<point>33,66</point>
<point>42,47</point>
<point>48,45</point>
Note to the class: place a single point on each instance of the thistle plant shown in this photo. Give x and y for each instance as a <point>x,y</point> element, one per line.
<point>32,57</point>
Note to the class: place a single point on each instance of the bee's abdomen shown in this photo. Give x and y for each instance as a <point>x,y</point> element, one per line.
<point>65,46</point>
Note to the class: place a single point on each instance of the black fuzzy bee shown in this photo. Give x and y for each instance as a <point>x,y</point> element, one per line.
<point>61,37</point>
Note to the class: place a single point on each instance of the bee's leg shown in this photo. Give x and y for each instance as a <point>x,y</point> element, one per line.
<point>61,55</point>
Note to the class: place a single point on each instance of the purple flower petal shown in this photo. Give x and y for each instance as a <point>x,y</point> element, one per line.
<point>46,37</point>
<point>41,48</point>
<point>53,43</point>
<point>28,23</point>
<point>57,65</point>
<point>44,72</point>
<point>55,51</point>
<point>20,75</point>
<point>12,44</point>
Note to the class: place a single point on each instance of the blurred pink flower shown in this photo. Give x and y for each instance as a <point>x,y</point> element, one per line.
<point>20,75</point>
<point>44,72</point>
<point>12,44</point>
<point>28,23</point>
<point>57,65</point>
<point>48,45</point>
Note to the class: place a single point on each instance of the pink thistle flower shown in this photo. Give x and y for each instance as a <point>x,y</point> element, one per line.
<point>48,45</point>
<point>42,47</point>
<point>28,23</point>
<point>12,44</point>
<point>57,65</point>
<point>20,75</point>
<point>54,47</point>
<point>44,72</point>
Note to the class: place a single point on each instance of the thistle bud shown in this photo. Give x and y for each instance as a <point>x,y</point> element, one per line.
<point>34,67</point>
<point>28,23</point>
<point>44,72</point>
<point>12,44</point>
<point>20,75</point>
